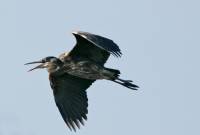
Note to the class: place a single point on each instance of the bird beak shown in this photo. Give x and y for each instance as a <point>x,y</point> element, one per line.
<point>42,65</point>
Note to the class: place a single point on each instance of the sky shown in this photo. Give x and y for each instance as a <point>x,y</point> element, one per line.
<point>160,45</point>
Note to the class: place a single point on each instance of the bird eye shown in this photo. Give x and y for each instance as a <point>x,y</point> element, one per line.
<point>52,60</point>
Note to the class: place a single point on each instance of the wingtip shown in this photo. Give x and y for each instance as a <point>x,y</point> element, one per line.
<point>117,54</point>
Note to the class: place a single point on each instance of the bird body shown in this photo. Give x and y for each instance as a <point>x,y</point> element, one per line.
<point>84,69</point>
<point>72,73</point>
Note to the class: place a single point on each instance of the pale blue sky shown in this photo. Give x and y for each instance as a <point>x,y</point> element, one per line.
<point>161,47</point>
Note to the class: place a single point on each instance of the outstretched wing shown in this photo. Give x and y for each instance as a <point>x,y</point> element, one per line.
<point>93,47</point>
<point>71,98</point>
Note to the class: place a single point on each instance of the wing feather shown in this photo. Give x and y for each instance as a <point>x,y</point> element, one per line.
<point>101,42</point>
<point>93,47</point>
<point>71,98</point>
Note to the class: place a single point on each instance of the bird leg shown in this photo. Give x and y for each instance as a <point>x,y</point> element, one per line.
<point>126,83</point>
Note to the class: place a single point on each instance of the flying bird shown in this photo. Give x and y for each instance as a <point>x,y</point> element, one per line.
<point>72,73</point>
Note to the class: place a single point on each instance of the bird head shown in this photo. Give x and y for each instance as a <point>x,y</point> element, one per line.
<point>51,63</point>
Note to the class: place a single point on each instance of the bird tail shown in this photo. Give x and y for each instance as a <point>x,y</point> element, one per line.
<point>126,83</point>
<point>115,72</point>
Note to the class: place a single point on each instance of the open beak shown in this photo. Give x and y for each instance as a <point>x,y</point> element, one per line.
<point>42,65</point>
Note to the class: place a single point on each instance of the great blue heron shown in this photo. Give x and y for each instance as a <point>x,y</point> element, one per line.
<point>72,73</point>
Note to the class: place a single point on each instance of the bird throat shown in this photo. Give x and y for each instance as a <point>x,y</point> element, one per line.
<point>53,69</point>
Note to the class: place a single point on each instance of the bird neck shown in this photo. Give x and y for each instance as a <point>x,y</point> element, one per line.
<point>55,68</point>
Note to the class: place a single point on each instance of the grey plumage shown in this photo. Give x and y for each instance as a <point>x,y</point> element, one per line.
<point>72,74</point>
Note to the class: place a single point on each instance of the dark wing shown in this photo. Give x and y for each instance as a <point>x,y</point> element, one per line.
<point>94,47</point>
<point>71,98</point>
